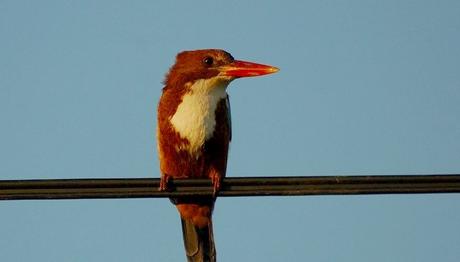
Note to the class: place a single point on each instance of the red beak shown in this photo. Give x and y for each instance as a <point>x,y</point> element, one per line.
<point>246,69</point>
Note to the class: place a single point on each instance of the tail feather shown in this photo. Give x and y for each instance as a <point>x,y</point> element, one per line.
<point>198,242</point>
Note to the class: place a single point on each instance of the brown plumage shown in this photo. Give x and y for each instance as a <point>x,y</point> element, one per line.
<point>194,132</point>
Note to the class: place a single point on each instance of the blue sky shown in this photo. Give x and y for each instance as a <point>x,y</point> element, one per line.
<point>365,88</point>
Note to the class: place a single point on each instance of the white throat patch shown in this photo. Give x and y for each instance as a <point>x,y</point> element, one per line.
<point>195,117</point>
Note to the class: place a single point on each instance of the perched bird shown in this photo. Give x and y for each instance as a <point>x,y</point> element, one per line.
<point>194,132</point>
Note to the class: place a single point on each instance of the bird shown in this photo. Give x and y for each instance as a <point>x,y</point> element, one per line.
<point>194,133</point>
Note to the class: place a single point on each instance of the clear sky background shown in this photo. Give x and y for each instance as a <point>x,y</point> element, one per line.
<point>365,88</point>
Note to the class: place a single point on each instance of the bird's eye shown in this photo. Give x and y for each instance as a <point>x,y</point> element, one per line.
<point>208,60</point>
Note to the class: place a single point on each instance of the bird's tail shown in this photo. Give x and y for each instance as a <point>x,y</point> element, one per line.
<point>197,233</point>
<point>198,242</point>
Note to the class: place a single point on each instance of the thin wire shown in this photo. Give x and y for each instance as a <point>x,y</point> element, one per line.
<point>239,186</point>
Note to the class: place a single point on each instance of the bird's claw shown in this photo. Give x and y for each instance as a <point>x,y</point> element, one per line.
<point>216,183</point>
<point>164,182</point>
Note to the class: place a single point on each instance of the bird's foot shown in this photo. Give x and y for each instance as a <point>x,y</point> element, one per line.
<point>216,183</point>
<point>164,182</point>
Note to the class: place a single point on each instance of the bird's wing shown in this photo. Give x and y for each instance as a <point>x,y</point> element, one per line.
<point>229,117</point>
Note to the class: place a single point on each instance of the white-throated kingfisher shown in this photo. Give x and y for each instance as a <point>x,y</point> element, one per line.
<point>194,133</point>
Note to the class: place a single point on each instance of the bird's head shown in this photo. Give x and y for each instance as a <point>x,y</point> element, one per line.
<point>216,64</point>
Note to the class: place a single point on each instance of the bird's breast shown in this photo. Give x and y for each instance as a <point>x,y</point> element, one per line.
<point>195,117</point>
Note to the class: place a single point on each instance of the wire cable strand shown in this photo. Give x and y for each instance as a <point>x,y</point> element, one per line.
<point>231,187</point>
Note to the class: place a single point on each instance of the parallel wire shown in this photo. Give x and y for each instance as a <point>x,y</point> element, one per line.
<point>236,187</point>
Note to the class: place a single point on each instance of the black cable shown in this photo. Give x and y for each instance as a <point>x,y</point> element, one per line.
<point>236,186</point>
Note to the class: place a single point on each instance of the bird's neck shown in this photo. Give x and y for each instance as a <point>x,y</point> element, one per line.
<point>195,116</point>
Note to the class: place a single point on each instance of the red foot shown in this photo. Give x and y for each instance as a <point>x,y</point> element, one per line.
<point>164,181</point>
<point>216,183</point>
